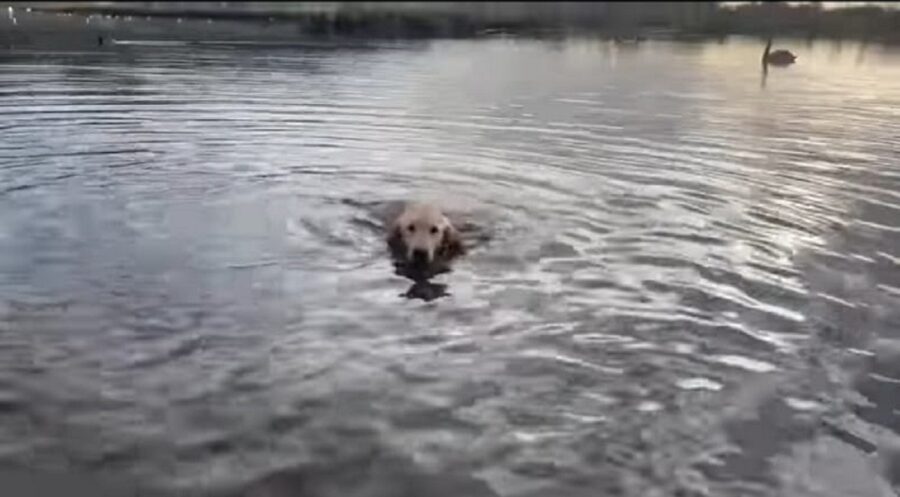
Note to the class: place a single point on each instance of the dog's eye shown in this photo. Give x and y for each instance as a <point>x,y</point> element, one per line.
<point>434,230</point>
<point>411,228</point>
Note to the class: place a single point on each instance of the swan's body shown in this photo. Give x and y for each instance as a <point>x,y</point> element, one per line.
<point>778,57</point>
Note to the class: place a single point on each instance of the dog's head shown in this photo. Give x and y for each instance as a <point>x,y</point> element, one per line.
<point>422,234</point>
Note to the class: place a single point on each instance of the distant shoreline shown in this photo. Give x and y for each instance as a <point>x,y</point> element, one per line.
<point>390,20</point>
<point>313,23</point>
<point>416,24</point>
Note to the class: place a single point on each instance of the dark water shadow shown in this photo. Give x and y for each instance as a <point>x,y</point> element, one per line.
<point>772,430</point>
<point>72,482</point>
<point>765,72</point>
<point>878,382</point>
<point>426,290</point>
<point>376,472</point>
<point>347,459</point>
<point>422,288</point>
<point>861,53</point>
<point>765,76</point>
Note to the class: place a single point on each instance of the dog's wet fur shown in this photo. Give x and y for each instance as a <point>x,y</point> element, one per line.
<point>423,242</point>
<point>386,216</point>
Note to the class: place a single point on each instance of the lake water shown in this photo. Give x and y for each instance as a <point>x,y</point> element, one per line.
<point>691,285</point>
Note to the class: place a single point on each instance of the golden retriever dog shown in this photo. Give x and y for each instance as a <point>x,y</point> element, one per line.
<point>422,237</point>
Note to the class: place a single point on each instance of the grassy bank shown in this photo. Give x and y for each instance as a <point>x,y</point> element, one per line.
<point>862,22</point>
<point>263,21</point>
<point>356,23</point>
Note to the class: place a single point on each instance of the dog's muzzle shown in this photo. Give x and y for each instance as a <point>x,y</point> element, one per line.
<point>420,257</point>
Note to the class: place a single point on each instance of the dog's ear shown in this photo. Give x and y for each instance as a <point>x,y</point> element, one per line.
<point>451,244</point>
<point>395,242</point>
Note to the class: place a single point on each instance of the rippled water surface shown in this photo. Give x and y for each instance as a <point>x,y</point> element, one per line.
<point>690,285</point>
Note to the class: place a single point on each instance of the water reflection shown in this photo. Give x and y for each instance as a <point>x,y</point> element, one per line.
<point>422,287</point>
<point>183,277</point>
<point>765,75</point>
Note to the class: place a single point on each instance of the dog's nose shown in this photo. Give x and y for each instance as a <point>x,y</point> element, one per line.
<point>420,256</point>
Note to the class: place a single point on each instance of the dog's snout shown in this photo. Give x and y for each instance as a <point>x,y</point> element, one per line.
<point>420,256</point>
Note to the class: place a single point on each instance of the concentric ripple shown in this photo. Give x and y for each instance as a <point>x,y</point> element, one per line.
<point>681,267</point>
